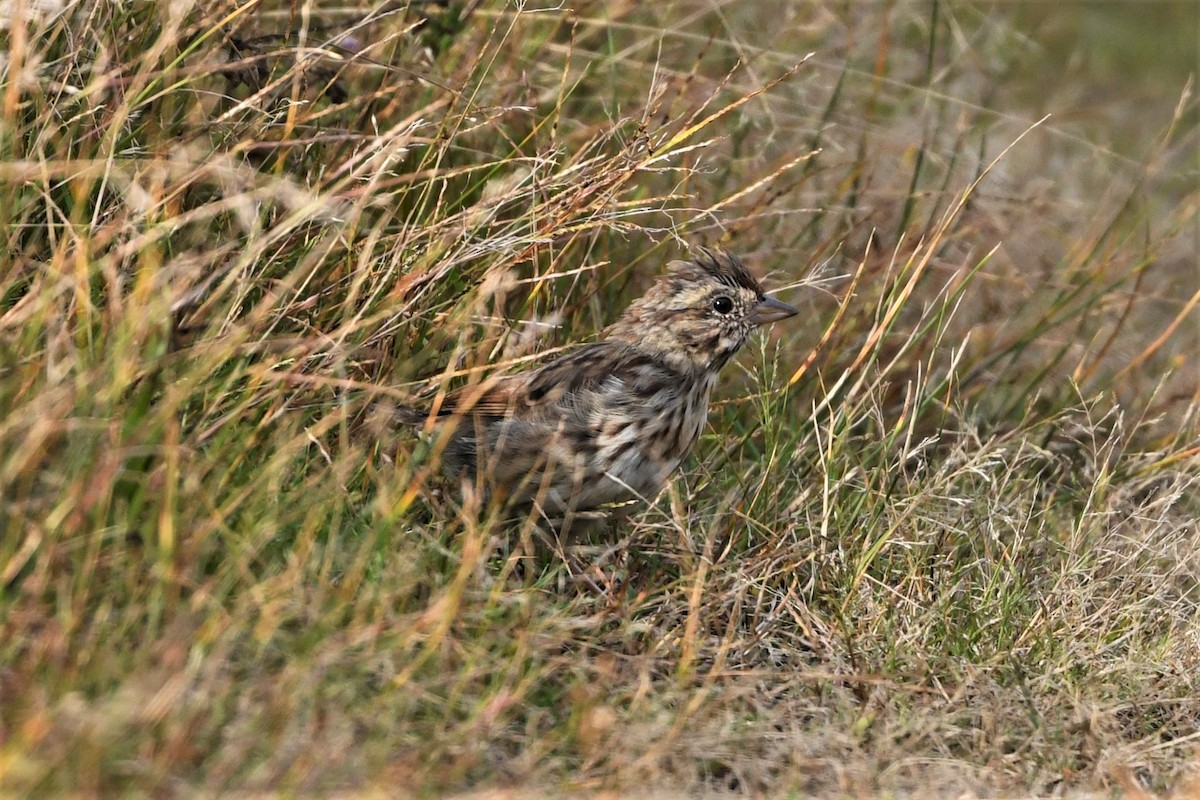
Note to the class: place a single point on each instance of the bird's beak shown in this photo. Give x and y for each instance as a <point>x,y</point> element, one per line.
<point>770,310</point>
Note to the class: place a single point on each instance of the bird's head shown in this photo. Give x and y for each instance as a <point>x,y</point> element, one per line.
<point>700,313</point>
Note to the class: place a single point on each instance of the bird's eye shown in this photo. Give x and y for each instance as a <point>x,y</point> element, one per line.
<point>722,304</point>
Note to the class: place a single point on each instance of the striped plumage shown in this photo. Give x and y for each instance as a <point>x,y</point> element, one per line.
<point>610,421</point>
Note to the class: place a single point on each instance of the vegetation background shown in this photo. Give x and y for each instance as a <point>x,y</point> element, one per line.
<point>939,540</point>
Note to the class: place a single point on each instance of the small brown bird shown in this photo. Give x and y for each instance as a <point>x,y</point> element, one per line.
<point>608,422</point>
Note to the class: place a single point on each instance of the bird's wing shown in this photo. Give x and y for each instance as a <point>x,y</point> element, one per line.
<point>558,385</point>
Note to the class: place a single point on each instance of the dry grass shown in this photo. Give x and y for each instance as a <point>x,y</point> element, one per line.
<point>940,540</point>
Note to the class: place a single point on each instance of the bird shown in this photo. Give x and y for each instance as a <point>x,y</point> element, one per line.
<point>607,423</point>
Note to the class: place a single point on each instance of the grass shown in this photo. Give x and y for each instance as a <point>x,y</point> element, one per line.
<point>939,537</point>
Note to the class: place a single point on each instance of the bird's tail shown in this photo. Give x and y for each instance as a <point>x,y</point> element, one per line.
<point>384,414</point>
<point>409,415</point>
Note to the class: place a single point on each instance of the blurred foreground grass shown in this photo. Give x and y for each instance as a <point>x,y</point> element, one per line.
<point>941,538</point>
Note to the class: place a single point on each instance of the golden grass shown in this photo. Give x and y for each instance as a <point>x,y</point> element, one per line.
<point>940,538</point>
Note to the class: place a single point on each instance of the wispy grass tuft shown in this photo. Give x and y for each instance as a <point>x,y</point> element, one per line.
<point>939,538</point>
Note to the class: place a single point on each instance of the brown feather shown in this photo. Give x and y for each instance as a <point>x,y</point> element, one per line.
<point>609,421</point>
